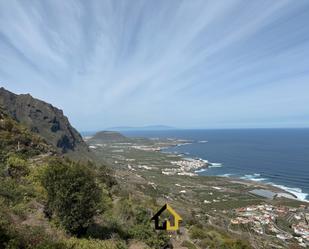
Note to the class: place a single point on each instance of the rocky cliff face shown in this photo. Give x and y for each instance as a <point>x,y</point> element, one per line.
<point>43,118</point>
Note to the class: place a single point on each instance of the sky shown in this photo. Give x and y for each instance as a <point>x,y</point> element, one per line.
<point>182,63</point>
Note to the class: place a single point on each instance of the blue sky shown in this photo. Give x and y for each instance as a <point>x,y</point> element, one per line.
<point>188,64</point>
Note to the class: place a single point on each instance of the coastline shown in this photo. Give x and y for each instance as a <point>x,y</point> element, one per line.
<point>186,164</point>
<point>293,193</point>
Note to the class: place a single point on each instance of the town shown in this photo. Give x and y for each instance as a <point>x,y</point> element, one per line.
<point>285,223</point>
<point>185,167</point>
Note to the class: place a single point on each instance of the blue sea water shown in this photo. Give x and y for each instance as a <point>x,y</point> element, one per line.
<point>276,156</point>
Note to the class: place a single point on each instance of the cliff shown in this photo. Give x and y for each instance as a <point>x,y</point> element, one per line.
<point>44,119</point>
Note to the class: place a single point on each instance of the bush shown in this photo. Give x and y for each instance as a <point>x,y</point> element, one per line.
<point>197,233</point>
<point>8,238</point>
<point>73,195</point>
<point>16,167</point>
<point>26,237</point>
<point>11,191</point>
<point>142,230</point>
<point>5,236</point>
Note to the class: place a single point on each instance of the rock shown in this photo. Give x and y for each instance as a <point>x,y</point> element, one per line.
<point>44,119</point>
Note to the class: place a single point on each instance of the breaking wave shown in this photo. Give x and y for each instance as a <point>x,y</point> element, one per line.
<point>226,175</point>
<point>295,191</point>
<point>298,192</point>
<point>215,165</point>
<point>253,177</point>
<point>200,170</point>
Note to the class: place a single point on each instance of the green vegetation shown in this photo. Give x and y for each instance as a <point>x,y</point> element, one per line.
<point>129,220</point>
<point>48,201</point>
<point>282,223</point>
<point>31,176</point>
<point>73,196</point>
<point>210,237</point>
<point>44,120</point>
<point>17,139</point>
<point>109,136</point>
<point>141,229</point>
<point>188,245</point>
<point>16,167</point>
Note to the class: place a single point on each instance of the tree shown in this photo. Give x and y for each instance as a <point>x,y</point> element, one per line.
<point>73,195</point>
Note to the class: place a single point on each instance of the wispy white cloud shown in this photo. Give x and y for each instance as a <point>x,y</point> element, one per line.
<point>183,63</point>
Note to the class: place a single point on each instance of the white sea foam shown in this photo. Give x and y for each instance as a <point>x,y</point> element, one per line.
<point>200,170</point>
<point>295,191</point>
<point>183,144</point>
<point>215,165</point>
<point>253,177</point>
<point>226,175</point>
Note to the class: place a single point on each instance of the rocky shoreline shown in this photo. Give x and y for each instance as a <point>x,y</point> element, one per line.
<point>193,166</point>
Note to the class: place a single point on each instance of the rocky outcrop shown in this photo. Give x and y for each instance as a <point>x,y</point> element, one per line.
<point>43,118</point>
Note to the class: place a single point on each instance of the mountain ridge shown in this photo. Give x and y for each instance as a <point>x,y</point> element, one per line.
<point>44,119</point>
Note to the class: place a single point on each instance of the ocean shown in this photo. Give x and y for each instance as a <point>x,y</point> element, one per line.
<point>276,156</point>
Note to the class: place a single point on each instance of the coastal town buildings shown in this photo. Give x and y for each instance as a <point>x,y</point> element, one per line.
<point>263,219</point>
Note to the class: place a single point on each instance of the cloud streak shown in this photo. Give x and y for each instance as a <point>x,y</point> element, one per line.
<point>182,63</point>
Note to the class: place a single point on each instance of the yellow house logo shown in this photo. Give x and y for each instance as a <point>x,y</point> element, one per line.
<point>171,223</point>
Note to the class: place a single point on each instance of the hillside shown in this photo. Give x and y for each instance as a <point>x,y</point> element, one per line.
<point>213,208</point>
<point>48,201</point>
<point>33,177</point>
<point>44,119</point>
<point>51,202</point>
<point>17,139</point>
<point>109,136</point>
<point>142,128</point>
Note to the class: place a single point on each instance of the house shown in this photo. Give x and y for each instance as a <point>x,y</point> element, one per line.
<point>170,224</point>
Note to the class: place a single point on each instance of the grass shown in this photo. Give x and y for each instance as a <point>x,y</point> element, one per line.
<point>210,237</point>
<point>188,244</point>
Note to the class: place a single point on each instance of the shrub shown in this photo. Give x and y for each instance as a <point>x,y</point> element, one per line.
<point>11,191</point>
<point>8,238</point>
<point>4,233</point>
<point>142,229</point>
<point>73,195</point>
<point>16,167</point>
<point>197,233</point>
